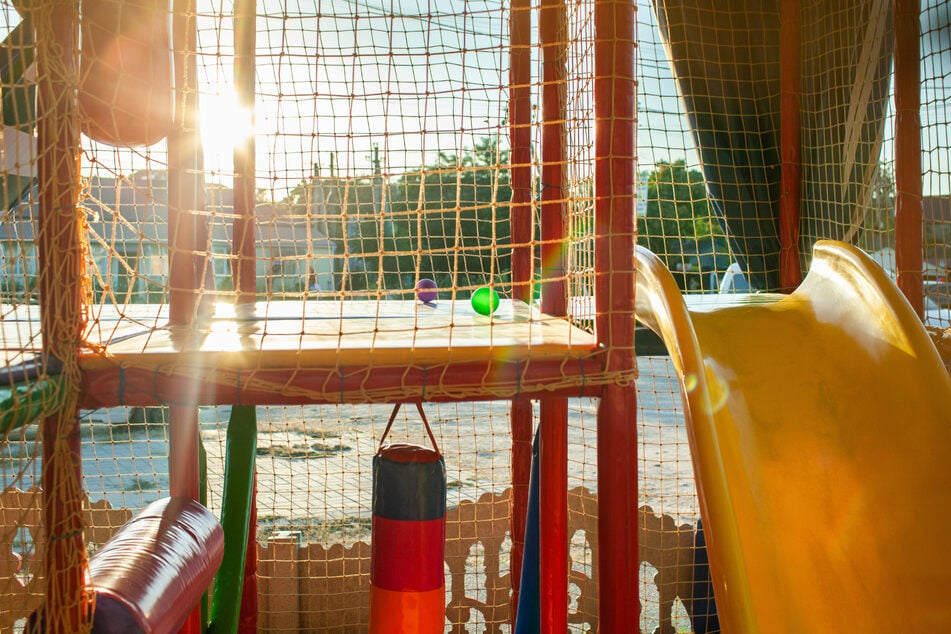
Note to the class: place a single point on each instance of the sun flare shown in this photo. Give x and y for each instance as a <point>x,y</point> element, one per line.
<point>225,123</point>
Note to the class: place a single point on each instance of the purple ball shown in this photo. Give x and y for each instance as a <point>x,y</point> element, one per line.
<point>426,290</point>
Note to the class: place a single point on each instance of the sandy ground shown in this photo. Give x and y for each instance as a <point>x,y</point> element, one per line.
<point>314,462</point>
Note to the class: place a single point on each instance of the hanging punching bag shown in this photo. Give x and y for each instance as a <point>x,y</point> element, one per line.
<point>125,76</point>
<point>408,543</point>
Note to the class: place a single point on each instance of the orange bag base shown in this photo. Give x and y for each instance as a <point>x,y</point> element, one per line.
<point>393,612</point>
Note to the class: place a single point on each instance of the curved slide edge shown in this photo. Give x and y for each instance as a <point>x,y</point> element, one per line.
<point>820,429</point>
<point>660,306</point>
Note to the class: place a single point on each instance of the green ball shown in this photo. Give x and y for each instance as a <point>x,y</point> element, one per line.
<point>485,300</point>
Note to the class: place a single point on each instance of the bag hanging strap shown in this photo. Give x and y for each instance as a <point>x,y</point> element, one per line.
<point>422,415</point>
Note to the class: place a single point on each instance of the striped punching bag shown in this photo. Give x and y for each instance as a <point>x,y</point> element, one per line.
<point>407,582</point>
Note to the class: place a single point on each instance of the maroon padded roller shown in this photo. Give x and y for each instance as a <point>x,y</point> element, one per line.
<point>153,572</point>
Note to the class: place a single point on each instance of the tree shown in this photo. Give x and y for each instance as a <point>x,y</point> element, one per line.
<point>445,221</point>
<point>678,213</point>
<point>348,211</point>
<point>449,220</point>
<point>878,228</point>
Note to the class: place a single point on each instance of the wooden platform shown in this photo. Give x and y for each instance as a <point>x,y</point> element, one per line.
<point>320,334</point>
<point>298,350</point>
<point>323,351</point>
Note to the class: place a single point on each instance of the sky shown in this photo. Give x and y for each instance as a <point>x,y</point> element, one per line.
<point>415,77</point>
<point>337,78</point>
<point>415,83</point>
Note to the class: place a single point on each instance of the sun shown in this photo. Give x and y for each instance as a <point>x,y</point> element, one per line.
<point>224,125</point>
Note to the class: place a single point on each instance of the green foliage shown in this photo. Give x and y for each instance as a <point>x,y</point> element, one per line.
<point>677,211</point>
<point>444,221</point>
<point>448,220</point>
<point>347,211</point>
<point>679,225</point>
<point>878,229</point>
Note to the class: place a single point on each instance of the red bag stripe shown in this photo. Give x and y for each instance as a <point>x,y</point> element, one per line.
<point>407,555</point>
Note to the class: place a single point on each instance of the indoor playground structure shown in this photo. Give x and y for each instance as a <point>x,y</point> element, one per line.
<point>475,316</point>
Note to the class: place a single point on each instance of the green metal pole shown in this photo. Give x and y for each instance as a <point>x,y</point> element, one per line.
<point>240,451</point>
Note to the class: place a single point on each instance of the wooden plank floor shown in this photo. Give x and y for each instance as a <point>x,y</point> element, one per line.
<point>326,334</point>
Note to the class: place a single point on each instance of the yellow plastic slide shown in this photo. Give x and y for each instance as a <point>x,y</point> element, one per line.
<point>820,427</point>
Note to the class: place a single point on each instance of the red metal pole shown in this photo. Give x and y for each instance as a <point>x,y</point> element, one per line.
<point>520,218</point>
<point>790,268</point>
<point>62,288</point>
<point>245,279</point>
<point>615,99</point>
<point>185,168</point>
<point>908,179</point>
<point>553,412</point>
<point>521,430</point>
<point>553,507</point>
<point>552,30</point>
<point>185,197</point>
<point>520,153</point>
